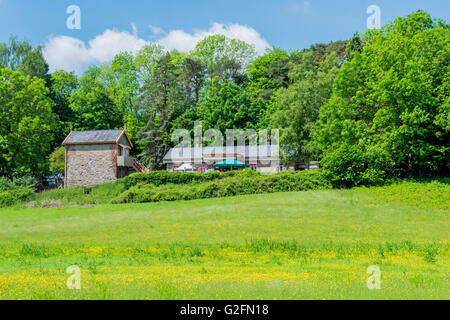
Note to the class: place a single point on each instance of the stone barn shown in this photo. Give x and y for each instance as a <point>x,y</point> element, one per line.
<point>94,157</point>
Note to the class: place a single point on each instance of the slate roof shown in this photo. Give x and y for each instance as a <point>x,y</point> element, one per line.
<point>97,136</point>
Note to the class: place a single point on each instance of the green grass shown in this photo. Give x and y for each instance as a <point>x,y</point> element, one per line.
<point>300,245</point>
<point>103,193</point>
<point>158,186</point>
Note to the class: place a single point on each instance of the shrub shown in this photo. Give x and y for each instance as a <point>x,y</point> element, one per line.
<point>16,190</point>
<point>57,160</point>
<point>13,196</point>
<point>6,184</point>
<point>235,184</point>
<point>350,166</point>
<point>102,193</point>
<point>27,182</point>
<point>165,177</point>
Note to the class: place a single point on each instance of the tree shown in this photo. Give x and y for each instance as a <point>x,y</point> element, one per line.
<point>394,97</point>
<point>160,96</point>
<point>311,85</point>
<point>93,104</point>
<point>226,105</point>
<point>264,73</point>
<point>57,160</point>
<point>321,51</point>
<point>223,57</point>
<point>104,97</point>
<point>62,85</point>
<point>34,65</point>
<point>193,78</point>
<point>146,61</point>
<point>13,53</point>
<point>26,126</point>
<point>121,82</point>
<point>354,45</point>
<point>21,56</point>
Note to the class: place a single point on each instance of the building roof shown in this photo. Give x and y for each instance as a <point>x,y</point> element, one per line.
<point>95,136</point>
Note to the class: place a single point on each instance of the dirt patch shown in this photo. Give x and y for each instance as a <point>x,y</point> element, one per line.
<point>84,207</point>
<point>45,204</point>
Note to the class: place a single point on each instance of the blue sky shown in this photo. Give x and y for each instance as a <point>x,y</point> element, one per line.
<point>108,26</point>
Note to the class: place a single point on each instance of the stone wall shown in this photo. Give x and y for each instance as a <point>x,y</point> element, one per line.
<point>87,165</point>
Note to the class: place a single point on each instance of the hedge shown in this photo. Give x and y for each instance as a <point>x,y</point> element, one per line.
<point>13,196</point>
<point>159,178</point>
<point>240,184</point>
<point>26,182</point>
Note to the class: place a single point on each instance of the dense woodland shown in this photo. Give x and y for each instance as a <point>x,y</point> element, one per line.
<point>371,107</point>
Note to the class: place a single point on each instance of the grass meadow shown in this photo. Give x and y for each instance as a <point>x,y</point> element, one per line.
<point>297,245</point>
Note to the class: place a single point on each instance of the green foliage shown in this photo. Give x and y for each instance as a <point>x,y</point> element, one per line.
<point>165,177</point>
<point>62,85</point>
<point>180,185</point>
<point>300,103</point>
<point>34,250</point>
<point>230,186</point>
<point>159,97</point>
<point>27,124</point>
<point>57,160</point>
<point>430,253</point>
<point>103,98</point>
<point>393,96</point>
<point>224,58</point>
<point>226,105</point>
<point>268,73</point>
<point>373,107</point>
<point>19,55</point>
<point>13,53</point>
<point>350,166</point>
<point>34,65</point>
<point>121,80</point>
<point>93,104</point>
<point>27,182</point>
<point>14,196</point>
<point>107,192</point>
<point>354,45</point>
<point>103,193</point>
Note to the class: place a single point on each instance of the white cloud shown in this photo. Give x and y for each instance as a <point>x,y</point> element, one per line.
<point>183,41</point>
<point>135,30</point>
<point>105,46</point>
<point>66,53</point>
<point>72,54</point>
<point>156,31</point>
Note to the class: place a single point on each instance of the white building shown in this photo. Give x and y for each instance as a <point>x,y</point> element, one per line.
<point>263,158</point>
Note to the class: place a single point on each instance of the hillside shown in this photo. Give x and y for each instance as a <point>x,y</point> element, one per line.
<point>297,245</point>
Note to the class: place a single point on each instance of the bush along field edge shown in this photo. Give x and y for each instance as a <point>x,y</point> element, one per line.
<point>157,186</point>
